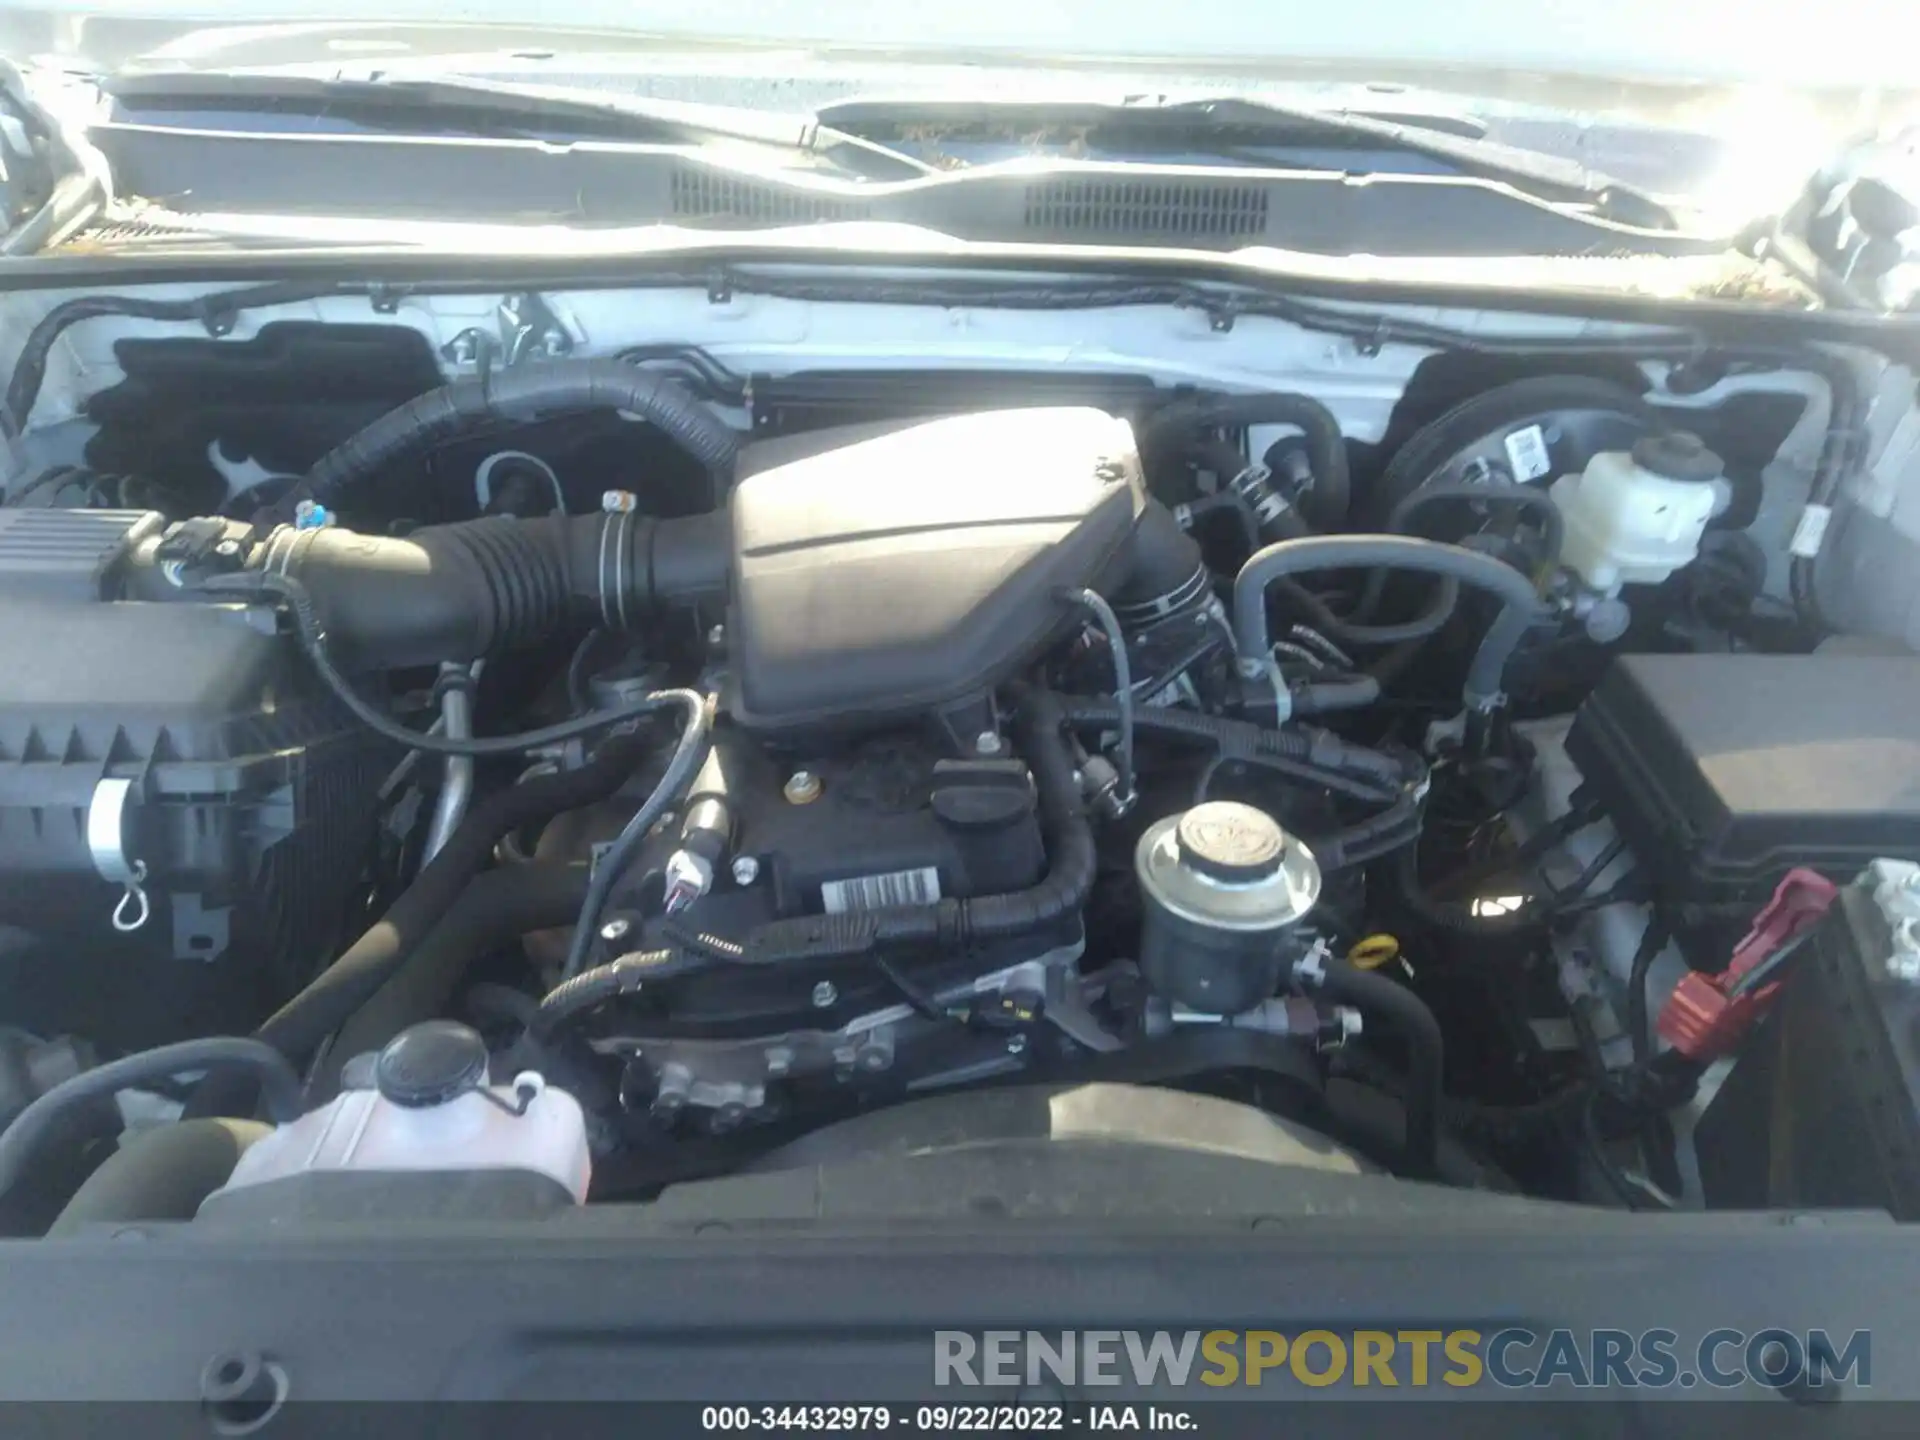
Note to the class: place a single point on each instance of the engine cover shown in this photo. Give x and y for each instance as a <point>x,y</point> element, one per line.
<point>915,569</point>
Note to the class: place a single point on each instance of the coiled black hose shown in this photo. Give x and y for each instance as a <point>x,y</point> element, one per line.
<point>1399,1010</point>
<point>279,1086</point>
<point>520,394</point>
<point>1393,552</point>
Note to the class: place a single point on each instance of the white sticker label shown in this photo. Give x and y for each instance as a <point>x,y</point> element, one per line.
<point>877,892</point>
<point>1527,454</point>
<point>1811,532</point>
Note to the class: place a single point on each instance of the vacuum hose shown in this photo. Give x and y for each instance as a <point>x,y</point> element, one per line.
<point>1392,552</point>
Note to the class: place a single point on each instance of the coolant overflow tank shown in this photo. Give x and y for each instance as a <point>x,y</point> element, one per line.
<point>1225,890</point>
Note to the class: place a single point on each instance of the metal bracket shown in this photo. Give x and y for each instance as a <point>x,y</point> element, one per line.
<point>525,328</point>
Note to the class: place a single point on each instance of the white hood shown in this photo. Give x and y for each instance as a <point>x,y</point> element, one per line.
<point>1850,45</point>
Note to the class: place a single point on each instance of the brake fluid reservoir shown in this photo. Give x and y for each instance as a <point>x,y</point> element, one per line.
<point>432,1109</point>
<point>1633,518</point>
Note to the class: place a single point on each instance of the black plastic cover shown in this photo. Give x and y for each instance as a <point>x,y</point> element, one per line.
<point>253,789</point>
<point>1722,772</point>
<point>915,569</point>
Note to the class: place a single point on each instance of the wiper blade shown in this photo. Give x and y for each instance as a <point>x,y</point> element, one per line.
<point>402,103</point>
<point>1255,120</point>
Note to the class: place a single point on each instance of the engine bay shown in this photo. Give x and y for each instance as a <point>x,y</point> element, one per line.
<point>604,764</point>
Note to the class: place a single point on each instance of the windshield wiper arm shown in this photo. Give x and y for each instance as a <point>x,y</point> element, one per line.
<point>1551,177</point>
<point>1257,121</point>
<point>399,102</point>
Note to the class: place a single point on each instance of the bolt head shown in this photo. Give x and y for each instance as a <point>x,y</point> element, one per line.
<point>1016,1044</point>
<point>987,742</point>
<point>746,869</point>
<point>824,995</point>
<point>717,636</point>
<point>615,930</point>
<point>802,788</point>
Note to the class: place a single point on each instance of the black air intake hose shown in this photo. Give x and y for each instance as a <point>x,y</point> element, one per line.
<point>519,395</point>
<point>457,592</point>
<point>1069,879</point>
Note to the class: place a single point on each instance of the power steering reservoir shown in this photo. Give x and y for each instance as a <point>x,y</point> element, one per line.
<point>1225,890</point>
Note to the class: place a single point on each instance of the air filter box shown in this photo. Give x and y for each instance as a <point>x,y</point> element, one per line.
<point>184,751</point>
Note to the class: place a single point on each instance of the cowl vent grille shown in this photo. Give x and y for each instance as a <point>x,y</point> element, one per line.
<point>1197,210</point>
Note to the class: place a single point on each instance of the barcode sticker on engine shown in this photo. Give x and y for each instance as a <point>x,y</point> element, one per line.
<point>877,892</point>
<point>1527,454</point>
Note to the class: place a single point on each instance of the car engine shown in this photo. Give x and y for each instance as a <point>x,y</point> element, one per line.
<point>616,769</point>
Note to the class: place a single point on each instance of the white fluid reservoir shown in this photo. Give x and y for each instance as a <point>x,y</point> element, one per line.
<point>432,1110</point>
<point>1633,518</point>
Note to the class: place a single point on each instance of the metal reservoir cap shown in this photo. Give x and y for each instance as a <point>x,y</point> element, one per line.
<point>1227,866</point>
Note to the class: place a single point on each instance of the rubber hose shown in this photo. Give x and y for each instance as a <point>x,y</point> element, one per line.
<point>1300,744</point>
<point>298,1027</point>
<point>683,767</point>
<point>279,1085</point>
<point>520,394</point>
<point>1325,697</point>
<point>1038,734</point>
<point>618,977</point>
<point>1396,827</point>
<point>1393,552</point>
<point>1231,503</point>
<point>1440,608</point>
<point>495,908</point>
<point>1331,497</point>
<point>1398,1009</point>
<point>160,1174</point>
<point>1273,517</point>
<point>1553,525</point>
